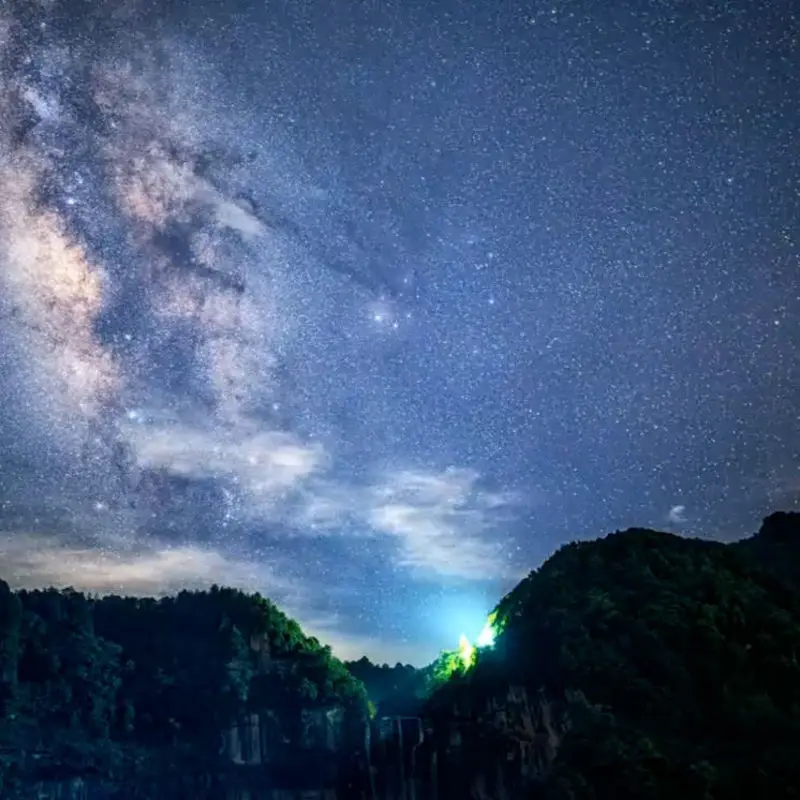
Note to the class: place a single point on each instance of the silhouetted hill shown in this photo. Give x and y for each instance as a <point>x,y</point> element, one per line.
<point>166,695</point>
<point>777,546</point>
<point>640,665</point>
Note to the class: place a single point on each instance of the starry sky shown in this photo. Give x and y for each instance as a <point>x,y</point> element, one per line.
<point>370,306</point>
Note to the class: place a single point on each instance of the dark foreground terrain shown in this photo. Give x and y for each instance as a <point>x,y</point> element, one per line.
<point>640,665</point>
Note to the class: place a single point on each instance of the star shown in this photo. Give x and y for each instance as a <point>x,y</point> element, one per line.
<point>375,323</point>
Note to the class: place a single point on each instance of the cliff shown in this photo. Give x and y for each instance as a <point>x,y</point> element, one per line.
<point>492,744</point>
<point>204,695</point>
<point>641,665</point>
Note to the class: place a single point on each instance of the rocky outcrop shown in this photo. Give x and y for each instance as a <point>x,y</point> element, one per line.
<point>309,752</point>
<point>263,737</point>
<point>397,774</point>
<point>289,752</point>
<point>482,746</point>
<point>495,746</point>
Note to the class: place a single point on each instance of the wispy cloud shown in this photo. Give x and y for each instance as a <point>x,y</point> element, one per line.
<point>677,515</point>
<point>264,465</point>
<point>32,561</point>
<point>444,522</point>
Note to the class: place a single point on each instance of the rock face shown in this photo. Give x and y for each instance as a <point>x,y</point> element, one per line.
<point>262,738</point>
<point>490,747</point>
<point>282,753</point>
<point>500,745</point>
<point>397,770</point>
<point>293,754</point>
<point>494,746</point>
<point>311,756</point>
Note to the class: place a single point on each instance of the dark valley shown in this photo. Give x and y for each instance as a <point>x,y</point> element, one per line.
<point>639,665</point>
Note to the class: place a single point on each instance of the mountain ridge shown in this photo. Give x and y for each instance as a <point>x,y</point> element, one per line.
<point>640,664</point>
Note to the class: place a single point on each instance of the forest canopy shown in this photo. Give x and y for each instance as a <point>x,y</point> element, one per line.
<point>678,659</point>
<point>84,681</point>
<point>684,655</point>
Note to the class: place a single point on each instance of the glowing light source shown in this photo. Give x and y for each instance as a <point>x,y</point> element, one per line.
<point>489,633</point>
<point>466,652</point>
<point>463,659</point>
<point>486,637</point>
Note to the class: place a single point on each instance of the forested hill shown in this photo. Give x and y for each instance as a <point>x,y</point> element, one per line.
<point>86,684</point>
<point>639,665</point>
<point>675,662</point>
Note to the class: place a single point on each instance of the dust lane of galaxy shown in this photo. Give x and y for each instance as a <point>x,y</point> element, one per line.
<point>370,307</point>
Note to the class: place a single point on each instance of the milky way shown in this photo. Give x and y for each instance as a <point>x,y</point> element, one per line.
<point>371,308</point>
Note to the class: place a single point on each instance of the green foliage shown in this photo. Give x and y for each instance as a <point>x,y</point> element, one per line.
<point>449,667</point>
<point>688,655</point>
<point>86,681</point>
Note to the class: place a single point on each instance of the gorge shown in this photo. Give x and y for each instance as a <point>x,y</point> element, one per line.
<point>638,665</point>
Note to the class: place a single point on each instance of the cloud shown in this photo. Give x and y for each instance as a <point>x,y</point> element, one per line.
<point>33,561</point>
<point>677,515</point>
<point>443,523</point>
<point>231,214</point>
<point>264,466</point>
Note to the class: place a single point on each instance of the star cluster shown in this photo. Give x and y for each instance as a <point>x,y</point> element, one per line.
<point>371,307</point>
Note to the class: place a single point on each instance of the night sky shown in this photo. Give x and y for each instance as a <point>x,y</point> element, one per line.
<point>370,306</point>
